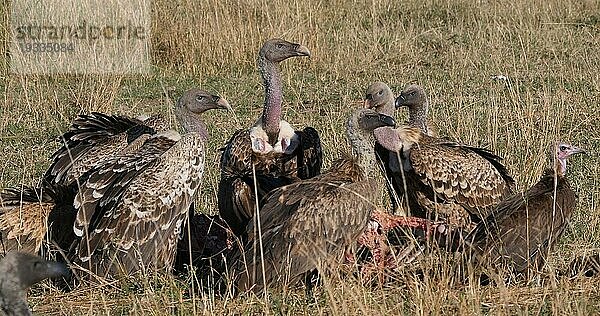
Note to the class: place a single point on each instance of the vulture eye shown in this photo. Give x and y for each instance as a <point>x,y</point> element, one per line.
<point>199,98</point>
<point>562,147</point>
<point>380,92</point>
<point>279,45</point>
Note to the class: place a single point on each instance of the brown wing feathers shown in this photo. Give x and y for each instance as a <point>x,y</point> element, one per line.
<point>92,138</point>
<point>29,215</point>
<point>306,216</point>
<point>114,207</point>
<point>461,174</point>
<point>241,169</point>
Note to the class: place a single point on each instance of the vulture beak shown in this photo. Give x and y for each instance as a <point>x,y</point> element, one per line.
<point>302,50</point>
<point>223,104</point>
<point>576,150</point>
<point>400,101</point>
<point>387,120</point>
<point>368,100</point>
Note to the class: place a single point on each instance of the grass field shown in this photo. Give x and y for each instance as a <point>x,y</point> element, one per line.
<point>550,51</point>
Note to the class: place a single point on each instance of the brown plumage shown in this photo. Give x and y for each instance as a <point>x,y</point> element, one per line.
<point>23,217</point>
<point>31,216</point>
<point>456,182</point>
<point>308,225</point>
<point>95,137</point>
<point>271,151</point>
<point>131,208</point>
<point>18,272</point>
<point>433,176</point>
<point>522,230</point>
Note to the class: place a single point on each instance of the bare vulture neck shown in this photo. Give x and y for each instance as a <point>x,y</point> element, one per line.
<point>273,98</point>
<point>417,116</point>
<point>191,122</point>
<point>363,145</point>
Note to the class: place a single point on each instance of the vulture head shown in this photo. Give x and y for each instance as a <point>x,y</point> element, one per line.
<point>21,270</point>
<point>18,272</point>
<point>413,96</point>
<point>192,104</point>
<point>359,129</point>
<point>368,120</point>
<point>272,52</point>
<point>277,50</point>
<point>198,101</point>
<point>562,152</point>
<point>380,98</point>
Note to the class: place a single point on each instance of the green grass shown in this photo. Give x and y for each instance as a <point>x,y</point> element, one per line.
<point>550,50</point>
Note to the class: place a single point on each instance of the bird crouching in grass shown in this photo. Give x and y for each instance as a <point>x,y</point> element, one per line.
<point>522,230</point>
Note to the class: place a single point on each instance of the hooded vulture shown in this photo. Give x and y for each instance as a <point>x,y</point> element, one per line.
<point>522,230</point>
<point>309,224</point>
<point>270,154</point>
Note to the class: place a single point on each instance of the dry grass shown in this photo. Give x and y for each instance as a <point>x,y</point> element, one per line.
<point>548,49</point>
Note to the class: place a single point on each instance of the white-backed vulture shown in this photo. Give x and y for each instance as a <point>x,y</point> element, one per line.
<point>438,178</point>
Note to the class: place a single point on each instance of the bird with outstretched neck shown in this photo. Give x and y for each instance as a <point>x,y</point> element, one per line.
<point>270,153</point>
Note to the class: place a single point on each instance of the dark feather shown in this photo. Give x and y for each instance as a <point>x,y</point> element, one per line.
<point>237,185</point>
<point>307,225</point>
<point>523,229</point>
<point>92,138</point>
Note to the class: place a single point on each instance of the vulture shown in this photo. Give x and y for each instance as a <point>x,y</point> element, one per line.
<point>131,208</point>
<point>309,224</point>
<point>18,272</point>
<point>270,154</point>
<point>522,230</point>
<point>438,178</point>
<point>95,137</point>
<point>380,98</point>
<point>30,216</point>
<point>413,97</point>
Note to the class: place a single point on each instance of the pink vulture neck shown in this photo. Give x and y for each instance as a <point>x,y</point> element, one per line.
<point>273,98</point>
<point>191,122</point>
